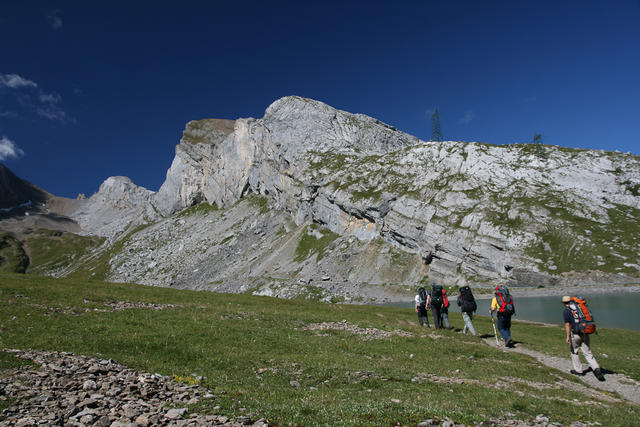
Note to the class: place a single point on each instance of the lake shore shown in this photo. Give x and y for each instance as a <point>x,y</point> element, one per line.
<point>376,295</point>
<point>525,292</point>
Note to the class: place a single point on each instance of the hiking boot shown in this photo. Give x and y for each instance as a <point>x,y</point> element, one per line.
<point>574,372</point>
<point>598,374</point>
<point>509,343</point>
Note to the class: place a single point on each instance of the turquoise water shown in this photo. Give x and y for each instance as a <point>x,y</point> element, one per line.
<point>620,310</point>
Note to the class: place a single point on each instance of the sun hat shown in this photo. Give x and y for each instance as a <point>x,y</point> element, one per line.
<point>566,299</point>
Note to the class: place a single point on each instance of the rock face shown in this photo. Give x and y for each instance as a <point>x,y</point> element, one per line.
<point>187,178</point>
<point>469,212</point>
<point>251,248</point>
<point>269,155</point>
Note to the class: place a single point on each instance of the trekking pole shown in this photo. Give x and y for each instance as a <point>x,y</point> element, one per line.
<point>494,329</point>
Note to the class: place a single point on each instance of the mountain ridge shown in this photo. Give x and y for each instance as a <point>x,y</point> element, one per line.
<point>462,213</point>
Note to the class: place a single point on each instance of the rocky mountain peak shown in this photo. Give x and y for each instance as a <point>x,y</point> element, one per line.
<point>302,125</point>
<point>469,212</point>
<point>118,204</point>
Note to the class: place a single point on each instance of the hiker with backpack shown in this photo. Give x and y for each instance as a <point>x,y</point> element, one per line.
<point>445,310</point>
<point>421,307</point>
<point>467,305</point>
<point>435,300</point>
<point>502,302</point>
<point>579,325</point>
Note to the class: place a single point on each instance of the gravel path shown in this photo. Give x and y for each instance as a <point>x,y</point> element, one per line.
<point>626,387</point>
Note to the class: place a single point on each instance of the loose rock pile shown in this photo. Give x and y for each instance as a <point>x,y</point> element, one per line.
<point>539,421</point>
<point>127,305</point>
<point>77,391</point>
<point>110,306</point>
<point>364,333</point>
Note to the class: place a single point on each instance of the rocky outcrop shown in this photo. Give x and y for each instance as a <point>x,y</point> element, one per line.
<point>251,248</point>
<point>189,174</point>
<point>268,155</point>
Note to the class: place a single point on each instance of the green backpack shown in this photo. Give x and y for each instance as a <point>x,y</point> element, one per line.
<point>436,296</point>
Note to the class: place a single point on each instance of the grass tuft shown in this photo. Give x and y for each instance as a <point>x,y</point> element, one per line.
<point>313,240</point>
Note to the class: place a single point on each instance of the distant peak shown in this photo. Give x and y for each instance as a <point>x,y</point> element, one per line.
<point>15,191</point>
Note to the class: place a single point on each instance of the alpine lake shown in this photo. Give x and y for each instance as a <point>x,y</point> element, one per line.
<point>615,310</point>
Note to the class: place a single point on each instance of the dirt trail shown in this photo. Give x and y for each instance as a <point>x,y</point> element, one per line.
<point>619,383</point>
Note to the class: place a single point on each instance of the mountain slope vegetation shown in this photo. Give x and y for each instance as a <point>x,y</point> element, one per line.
<point>307,363</point>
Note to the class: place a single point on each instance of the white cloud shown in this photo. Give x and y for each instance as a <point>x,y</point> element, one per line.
<point>9,149</point>
<point>14,81</point>
<point>6,113</point>
<point>45,105</point>
<point>50,98</point>
<point>50,109</point>
<point>54,20</point>
<point>468,118</point>
<point>52,112</point>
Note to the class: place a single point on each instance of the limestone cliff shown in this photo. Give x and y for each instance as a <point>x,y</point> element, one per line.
<point>470,212</point>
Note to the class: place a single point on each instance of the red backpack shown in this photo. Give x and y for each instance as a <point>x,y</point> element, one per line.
<point>445,299</point>
<point>583,322</point>
<point>505,300</point>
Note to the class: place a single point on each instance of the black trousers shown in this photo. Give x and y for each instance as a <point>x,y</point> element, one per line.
<point>423,316</point>
<point>437,316</point>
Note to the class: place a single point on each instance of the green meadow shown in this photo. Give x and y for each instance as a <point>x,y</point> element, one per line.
<point>259,358</point>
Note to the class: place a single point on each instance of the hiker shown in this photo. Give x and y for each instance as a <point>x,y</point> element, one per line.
<point>503,303</point>
<point>436,302</point>
<point>445,310</point>
<point>421,307</point>
<point>467,305</point>
<point>579,340</point>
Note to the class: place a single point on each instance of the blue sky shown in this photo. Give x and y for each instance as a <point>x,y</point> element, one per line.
<point>92,90</point>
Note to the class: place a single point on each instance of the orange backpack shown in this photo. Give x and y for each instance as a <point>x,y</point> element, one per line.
<point>583,322</point>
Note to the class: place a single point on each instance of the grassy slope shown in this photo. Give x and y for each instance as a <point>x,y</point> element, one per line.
<point>13,258</point>
<point>250,349</point>
<point>53,250</point>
